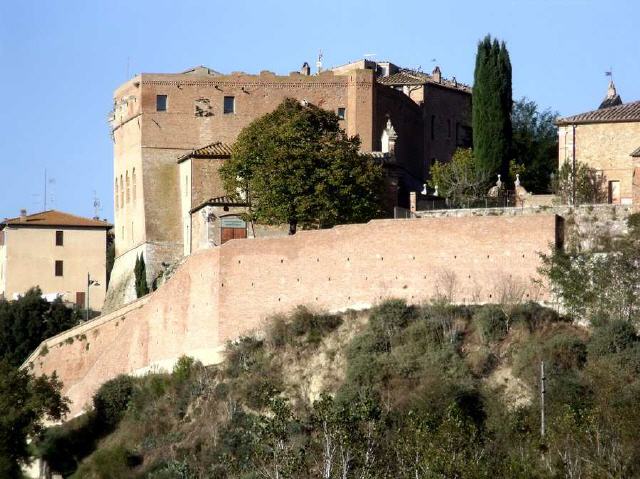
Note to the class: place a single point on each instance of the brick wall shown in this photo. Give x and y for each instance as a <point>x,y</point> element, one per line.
<point>221,293</point>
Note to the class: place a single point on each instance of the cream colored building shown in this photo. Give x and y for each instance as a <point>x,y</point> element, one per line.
<point>57,252</point>
<point>606,140</point>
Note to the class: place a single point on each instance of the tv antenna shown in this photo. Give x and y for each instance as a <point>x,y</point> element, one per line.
<point>97,206</point>
<point>47,181</point>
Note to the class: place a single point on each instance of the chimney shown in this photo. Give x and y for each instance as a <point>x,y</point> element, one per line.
<point>437,75</point>
<point>23,214</point>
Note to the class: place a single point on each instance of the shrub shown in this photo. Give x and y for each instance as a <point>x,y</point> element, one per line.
<point>491,323</point>
<point>107,463</point>
<point>390,317</point>
<point>278,332</point>
<point>304,324</point>
<point>565,352</point>
<point>183,368</point>
<point>110,402</point>
<point>611,338</point>
<point>242,355</point>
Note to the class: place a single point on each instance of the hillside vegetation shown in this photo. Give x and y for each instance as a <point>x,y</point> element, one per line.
<point>432,391</point>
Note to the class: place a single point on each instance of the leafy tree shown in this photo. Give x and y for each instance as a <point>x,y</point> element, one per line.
<point>535,144</point>
<point>491,107</point>
<point>27,321</point>
<point>589,185</point>
<point>599,284</point>
<point>296,166</point>
<point>140,271</point>
<point>462,180</point>
<point>25,401</point>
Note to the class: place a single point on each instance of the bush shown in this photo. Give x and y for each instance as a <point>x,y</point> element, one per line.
<point>565,352</point>
<point>611,338</point>
<point>183,368</point>
<point>108,463</point>
<point>389,318</point>
<point>110,402</point>
<point>491,323</point>
<point>243,355</point>
<point>304,324</point>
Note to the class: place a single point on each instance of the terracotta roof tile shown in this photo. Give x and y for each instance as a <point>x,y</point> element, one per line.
<point>219,201</point>
<point>412,77</point>
<point>216,149</point>
<point>54,218</point>
<point>620,113</point>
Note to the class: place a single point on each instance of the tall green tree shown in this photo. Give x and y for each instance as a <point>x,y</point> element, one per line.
<point>25,322</point>
<point>140,272</point>
<point>535,144</point>
<point>296,165</point>
<point>491,107</point>
<point>25,401</point>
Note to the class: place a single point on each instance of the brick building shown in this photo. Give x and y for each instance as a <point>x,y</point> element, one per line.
<point>608,140</point>
<point>159,119</point>
<point>57,252</point>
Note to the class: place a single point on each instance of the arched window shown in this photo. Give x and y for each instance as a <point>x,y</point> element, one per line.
<point>121,192</point>
<point>115,193</point>
<point>128,190</point>
<point>133,180</point>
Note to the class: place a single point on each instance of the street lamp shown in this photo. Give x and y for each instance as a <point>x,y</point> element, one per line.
<point>90,282</point>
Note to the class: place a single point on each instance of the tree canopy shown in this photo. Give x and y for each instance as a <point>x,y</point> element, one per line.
<point>491,107</point>
<point>463,180</point>
<point>25,322</point>
<point>296,165</point>
<point>535,144</point>
<point>24,401</point>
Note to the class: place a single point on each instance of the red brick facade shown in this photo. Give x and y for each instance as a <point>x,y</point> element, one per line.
<point>221,293</point>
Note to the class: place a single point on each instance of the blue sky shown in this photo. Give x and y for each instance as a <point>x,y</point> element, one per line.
<point>61,60</point>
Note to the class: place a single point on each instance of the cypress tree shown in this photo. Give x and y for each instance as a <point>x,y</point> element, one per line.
<point>140,272</point>
<point>491,107</point>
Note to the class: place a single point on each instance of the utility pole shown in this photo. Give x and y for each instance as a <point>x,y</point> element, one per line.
<point>542,393</point>
<point>573,172</point>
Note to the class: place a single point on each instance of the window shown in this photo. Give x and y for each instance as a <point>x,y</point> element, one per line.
<point>229,104</point>
<point>128,188</point>
<point>59,238</point>
<point>433,127</point>
<point>161,102</point>
<point>342,113</point>
<point>59,268</point>
<point>133,180</point>
<point>121,193</point>
<point>115,193</point>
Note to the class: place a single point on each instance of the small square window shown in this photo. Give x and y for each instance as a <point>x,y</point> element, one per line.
<point>342,113</point>
<point>59,238</point>
<point>229,104</point>
<point>161,102</point>
<point>59,268</point>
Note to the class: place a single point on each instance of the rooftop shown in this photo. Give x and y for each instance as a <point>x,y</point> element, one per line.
<point>217,149</point>
<point>54,218</point>
<point>219,201</point>
<point>412,77</point>
<point>615,114</point>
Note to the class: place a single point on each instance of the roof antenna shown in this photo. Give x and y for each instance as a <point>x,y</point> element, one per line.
<point>47,181</point>
<point>97,207</point>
